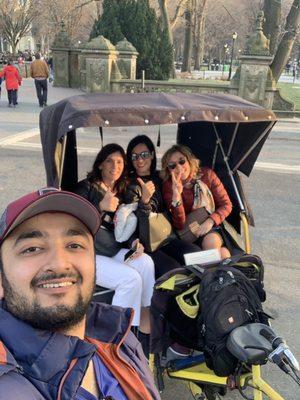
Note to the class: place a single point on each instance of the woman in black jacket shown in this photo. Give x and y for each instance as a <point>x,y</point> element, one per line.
<point>145,187</point>
<point>133,280</point>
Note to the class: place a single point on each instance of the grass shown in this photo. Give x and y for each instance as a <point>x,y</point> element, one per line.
<point>291,91</point>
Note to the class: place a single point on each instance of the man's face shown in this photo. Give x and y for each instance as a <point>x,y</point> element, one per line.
<point>49,271</point>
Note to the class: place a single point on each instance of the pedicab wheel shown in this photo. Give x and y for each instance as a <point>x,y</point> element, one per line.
<point>213,392</point>
<point>206,392</point>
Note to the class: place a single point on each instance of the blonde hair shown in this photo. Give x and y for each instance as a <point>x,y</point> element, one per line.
<point>186,152</point>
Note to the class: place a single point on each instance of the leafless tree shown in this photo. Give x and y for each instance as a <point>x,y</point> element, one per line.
<point>291,30</point>
<point>78,17</point>
<point>199,31</point>
<point>16,18</point>
<point>272,12</point>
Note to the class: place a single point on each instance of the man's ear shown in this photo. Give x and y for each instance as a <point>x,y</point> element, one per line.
<point>1,288</point>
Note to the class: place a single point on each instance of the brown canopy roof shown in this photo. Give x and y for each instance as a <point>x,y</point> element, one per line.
<point>126,109</point>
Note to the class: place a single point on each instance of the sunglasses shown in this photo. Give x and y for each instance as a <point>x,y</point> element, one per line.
<point>173,165</point>
<point>144,155</point>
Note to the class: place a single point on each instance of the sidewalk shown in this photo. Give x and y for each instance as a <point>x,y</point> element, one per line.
<point>26,115</point>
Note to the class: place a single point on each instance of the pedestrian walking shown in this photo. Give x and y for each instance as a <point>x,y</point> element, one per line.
<point>39,71</point>
<point>13,81</point>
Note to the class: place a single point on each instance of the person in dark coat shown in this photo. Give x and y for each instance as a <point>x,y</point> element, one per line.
<point>145,187</point>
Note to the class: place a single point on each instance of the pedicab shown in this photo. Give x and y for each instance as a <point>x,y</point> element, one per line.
<point>227,134</point>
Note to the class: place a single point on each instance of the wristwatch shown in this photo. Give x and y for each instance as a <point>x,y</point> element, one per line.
<point>176,203</point>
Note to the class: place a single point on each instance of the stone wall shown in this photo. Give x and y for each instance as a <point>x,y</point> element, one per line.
<point>135,86</point>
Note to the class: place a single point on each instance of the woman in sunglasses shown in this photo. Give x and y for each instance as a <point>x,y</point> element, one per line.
<point>187,187</point>
<point>145,187</point>
<point>132,280</point>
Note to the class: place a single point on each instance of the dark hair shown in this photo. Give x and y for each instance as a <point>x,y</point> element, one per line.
<point>95,174</point>
<point>140,139</point>
<point>37,56</point>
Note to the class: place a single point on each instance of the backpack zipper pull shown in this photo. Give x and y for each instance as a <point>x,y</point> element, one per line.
<point>249,312</point>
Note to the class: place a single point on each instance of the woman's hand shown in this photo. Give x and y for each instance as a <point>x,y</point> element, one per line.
<point>177,186</point>
<point>109,202</point>
<point>140,249</point>
<point>148,190</point>
<point>205,227</point>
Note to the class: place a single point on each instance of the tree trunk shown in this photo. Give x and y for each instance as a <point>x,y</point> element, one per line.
<point>286,44</point>
<point>272,11</point>
<point>188,40</point>
<point>199,24</point>
<point>167,27</point>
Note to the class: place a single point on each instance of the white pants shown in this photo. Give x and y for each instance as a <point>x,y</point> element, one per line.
<point>133,282</point>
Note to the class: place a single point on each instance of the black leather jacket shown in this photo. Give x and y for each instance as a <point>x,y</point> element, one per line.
<point>105,243</point>
<point>133,194</point>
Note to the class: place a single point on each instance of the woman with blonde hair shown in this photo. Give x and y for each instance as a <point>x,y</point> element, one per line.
<point>186,187</point>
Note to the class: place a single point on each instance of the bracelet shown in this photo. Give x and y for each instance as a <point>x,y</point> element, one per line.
<point>176,203</point>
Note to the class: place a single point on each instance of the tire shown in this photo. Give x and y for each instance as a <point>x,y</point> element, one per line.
<point>210,392</point>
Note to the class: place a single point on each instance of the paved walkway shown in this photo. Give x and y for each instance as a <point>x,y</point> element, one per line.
<point>26,115</point>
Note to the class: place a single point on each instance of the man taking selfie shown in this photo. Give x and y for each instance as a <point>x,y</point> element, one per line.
<point>55,343</point>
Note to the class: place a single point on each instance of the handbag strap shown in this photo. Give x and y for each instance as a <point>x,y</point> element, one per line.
<point>196,269</point>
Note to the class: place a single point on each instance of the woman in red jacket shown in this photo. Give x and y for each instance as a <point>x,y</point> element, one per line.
<point>187,187</point>
<point>13,81</point>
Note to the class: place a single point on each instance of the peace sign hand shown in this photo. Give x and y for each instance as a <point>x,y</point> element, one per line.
<point>177,186</point>
<point>148,190</point>
<point>109,202</point>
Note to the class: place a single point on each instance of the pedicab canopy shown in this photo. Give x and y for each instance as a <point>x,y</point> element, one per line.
<point>211,124</point>
<point>225,132</point>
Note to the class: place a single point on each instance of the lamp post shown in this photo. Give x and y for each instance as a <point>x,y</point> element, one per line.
<point>225,48</point>
<point>234,36</point>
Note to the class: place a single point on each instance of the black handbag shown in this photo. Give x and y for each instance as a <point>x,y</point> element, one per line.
<point>155,230</point>
<point>105,243</point>
<point>193,220</point>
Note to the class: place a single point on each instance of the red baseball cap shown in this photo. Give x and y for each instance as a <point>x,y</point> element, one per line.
<point>48,200</point>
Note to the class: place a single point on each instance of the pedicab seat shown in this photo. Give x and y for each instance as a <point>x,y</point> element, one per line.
<point>248,345</point>
<point>103,295</point>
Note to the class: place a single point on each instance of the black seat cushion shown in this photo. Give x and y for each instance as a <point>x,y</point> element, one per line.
<point>248,345</point>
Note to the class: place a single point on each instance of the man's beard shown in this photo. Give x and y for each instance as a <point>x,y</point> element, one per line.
<point>53,318</point>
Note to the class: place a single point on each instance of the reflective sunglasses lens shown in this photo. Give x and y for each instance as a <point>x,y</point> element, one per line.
<point>144,155</point>
<point>172,165</point>
<point>181,162</point>
<point>134,157</point>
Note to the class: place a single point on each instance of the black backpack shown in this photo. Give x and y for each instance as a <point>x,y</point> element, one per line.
<point>228,300</point>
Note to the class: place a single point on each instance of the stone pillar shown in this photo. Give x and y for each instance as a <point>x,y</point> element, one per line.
<point>95,63</point>
<point>127,59</point>
<point>60,50</point>
<point>74,71</point>
<point>253,79</point>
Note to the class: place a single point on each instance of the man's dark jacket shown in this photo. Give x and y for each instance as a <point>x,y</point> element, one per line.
<point>39,365</point>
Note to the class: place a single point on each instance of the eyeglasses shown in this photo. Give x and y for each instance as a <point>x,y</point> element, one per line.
<point>144,155</point>
<point>173,165</point>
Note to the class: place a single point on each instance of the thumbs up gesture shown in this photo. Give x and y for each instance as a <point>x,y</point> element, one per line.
<point>148,190</point>
<point>109,202</point>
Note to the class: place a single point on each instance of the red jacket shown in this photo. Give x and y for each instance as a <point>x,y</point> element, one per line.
<point>12,77</point>
<point>221,198</point>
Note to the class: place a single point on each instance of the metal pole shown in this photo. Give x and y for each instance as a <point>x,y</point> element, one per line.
<point>143,79</point>
<point>234,36</point>
<point>62,161</point>
<point>230,173</point>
